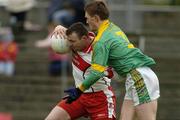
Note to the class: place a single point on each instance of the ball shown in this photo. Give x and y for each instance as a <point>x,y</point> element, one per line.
<point>59,44</point>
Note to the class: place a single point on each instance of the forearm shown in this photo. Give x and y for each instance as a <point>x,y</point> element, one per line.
<point>90,80</point>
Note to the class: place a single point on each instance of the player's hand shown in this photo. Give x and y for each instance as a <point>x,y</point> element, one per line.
<point>59,30</point>
<point>72,94</point>
<point>109,72</point>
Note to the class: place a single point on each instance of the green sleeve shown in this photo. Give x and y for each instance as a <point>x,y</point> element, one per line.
<point>91,79</point>
<point>100,58</point>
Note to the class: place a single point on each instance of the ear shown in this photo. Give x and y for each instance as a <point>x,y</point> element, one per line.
<point>91,35</point>
<point>97,18</point>
<point>84,37</point>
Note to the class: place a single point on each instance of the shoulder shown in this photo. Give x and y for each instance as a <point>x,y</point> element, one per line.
<point>111,30</point>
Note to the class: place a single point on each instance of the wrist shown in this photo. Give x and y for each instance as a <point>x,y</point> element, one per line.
<point>82,88</point>
<point>79,91</point>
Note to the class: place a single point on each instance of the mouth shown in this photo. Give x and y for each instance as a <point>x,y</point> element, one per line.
<point>72,48</point>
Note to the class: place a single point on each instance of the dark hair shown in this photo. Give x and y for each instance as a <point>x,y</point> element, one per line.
<point>79,28</point>
<point>97,8</point>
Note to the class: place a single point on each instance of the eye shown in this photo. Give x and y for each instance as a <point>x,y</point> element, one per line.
<point>71,41</point>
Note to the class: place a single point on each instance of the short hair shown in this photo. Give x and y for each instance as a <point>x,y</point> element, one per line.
<point>97,8</point>
<point>79,28</point>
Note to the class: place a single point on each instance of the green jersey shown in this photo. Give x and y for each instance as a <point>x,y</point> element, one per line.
<point>112,48</point>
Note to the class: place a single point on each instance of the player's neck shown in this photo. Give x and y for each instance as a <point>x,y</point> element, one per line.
<point>99,23</point>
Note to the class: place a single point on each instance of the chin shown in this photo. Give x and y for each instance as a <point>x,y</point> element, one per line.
<point>76,50</point>
<point>91,28</point>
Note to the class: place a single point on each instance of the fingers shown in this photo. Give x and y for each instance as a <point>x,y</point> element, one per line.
<point>60,27</point>
<point>57,34</point>
<point>65,97</point>
<point>72,95</point>
<point>66,91</point>
<point>59,31</point>
<point>68,99</point>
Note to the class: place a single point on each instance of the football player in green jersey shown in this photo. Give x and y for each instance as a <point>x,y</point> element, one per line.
<point>112,48</point>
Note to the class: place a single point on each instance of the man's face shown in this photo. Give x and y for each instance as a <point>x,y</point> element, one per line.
<point>76,43</point>
<point>91,21</point>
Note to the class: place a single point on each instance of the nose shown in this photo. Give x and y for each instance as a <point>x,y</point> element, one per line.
<point>70,45</point>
